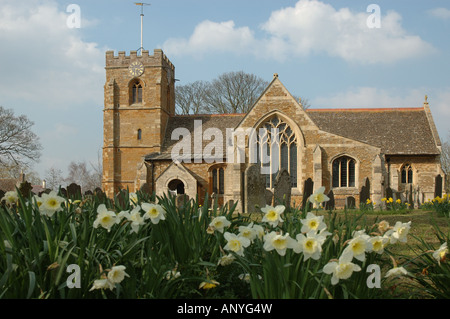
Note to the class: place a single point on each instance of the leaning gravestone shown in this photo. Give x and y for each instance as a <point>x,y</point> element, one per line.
<point>364,195</point>
<point>269,197</point>
<point>307,192</point>
<point>282,188</point>
<point>254,188</point>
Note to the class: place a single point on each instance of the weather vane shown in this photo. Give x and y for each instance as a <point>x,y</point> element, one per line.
<point>142,22</point>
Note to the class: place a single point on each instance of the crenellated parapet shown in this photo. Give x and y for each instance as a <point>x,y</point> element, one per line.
<point>158,59</point>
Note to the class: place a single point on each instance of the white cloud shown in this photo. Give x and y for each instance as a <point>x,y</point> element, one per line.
<point>45,60</point>
<point>440,13</point>
<point>306,28</point>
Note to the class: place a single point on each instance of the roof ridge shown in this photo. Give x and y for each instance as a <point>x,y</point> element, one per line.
<point>393,109</point>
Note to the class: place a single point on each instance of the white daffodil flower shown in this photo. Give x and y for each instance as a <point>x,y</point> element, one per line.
<point>117,274</point>
<point>341,270</point>
<point>312,223</point>
<point>399,232</point>
<point>219,223</point>
<point>153,212</point>
<point>440,253</point>
<point>134,217</point>
<point>10,198</point>
<point>105,218</point>
<point>272,215</point>
<point>378,243</point>
<point>310,245</point>
<point>236,243</point>
<point>279,242</point>
<point>319,197</point>
<point>396,272</point>
<point>248,232</point>
<point>102,284</point>
<point>51,203</point>
<point>359,245</point>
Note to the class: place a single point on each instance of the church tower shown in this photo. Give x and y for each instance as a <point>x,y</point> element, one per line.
<point>139,99</point>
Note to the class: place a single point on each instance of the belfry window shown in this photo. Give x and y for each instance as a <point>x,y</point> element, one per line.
<point>343,171</point>
<point>278,142</point>
<point>407,174</point>
<point>136,92</point>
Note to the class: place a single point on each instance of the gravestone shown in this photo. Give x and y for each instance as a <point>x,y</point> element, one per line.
<point>409,195</point>
<point>308,190</point>
<point>282,188</point>
<point>331,204</point>
<point>269,197</point>
<point>389,193</point>
<point>254,188</point>
<point>181,200</point>
<point>99,194</point>
<point>364,195</point>
<point>63,192</point>
<point>73,190</point>
<point>25,189</point>
<point>438,186</point>
<point>350,202</point>
<point>145,189</point>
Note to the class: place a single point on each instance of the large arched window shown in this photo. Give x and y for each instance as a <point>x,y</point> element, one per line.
<point>407,174</point>
<point>277,149</point>
<point>344,170</point>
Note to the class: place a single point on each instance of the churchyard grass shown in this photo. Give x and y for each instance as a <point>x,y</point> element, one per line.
<point>141,246</point>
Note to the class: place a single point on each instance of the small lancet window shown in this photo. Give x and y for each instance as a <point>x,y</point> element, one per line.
<point>139,134</point>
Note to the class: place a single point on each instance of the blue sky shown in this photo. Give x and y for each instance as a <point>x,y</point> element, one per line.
<point>322,50</point>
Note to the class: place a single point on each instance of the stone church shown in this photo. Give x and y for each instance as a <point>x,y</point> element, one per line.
<point>390,149</point>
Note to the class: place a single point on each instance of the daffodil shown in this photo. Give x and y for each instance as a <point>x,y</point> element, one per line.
<point>117,274</point>
<point>153,212</point>
<point>102,284</point>
<point>236,243</point>
<point>172,274</point>
<point>396,272</point>
<point>359,245</point>
<point>134,217</point>
<point>226,260</point>
<point>312,223</point>
<point>440,253</point>
<point>133,198</point>
<point>219,223</point>
<point>342,269</point>
<point>105,218</point>
<point>279,242</point>
<point>383,226</point>
<point>399,232</point>
<point>319,197</point>
<point>259,231</point>
<point>310,245</point>
<point>272,215</point>
<point>378,243</point>
<point>208,284</point>
<point>10,198</point>
<point>248,232</point>
<point>51,203</point>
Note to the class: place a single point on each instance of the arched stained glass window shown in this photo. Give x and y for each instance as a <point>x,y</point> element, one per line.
<point>278,142</point>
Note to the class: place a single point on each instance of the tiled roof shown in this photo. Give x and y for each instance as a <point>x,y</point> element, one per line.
<point>397,131</point>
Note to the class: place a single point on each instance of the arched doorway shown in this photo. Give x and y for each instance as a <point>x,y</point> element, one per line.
<point>177,186</point>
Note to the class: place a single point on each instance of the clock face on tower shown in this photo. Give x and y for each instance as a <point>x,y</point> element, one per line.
<point>136,68</point>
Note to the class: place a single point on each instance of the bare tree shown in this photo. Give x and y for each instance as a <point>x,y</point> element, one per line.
<point>18,144</point>
<point>234,92</point>
<point>53,178</point>
<point>80,174</point>
<point>190,98</point>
